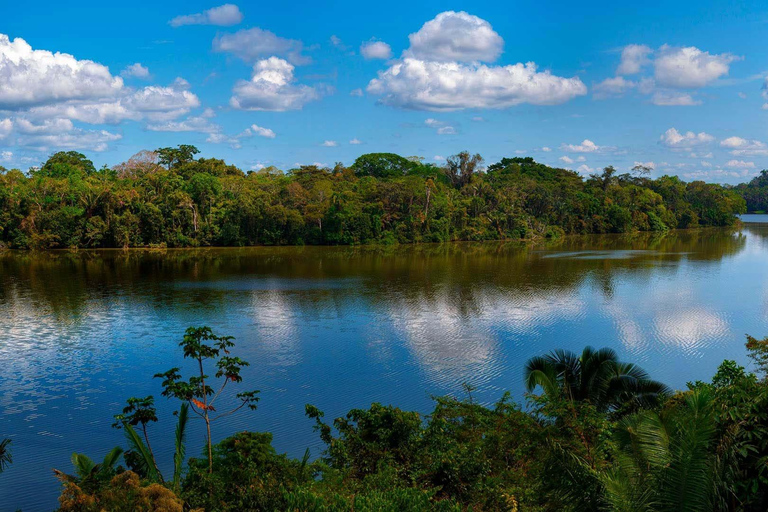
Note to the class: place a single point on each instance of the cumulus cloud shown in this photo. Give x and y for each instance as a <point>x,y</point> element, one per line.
<point>741,164</point>
<point>667,98</point>
<point>262,132</point>
<point>135,70</point>
<point>356,92</point>
<point>566,159</point>
<point>442,86</point>
<point>355,141</point>
<point>674,139</point>
<point>62,134</point>
<point>615,86</point>
<point>47,91</point>
<point>442,70</point>
<point>223,16</point>
<point>6,125</point>
<point>272,87</point>
<point>456,36</point>
<point>689,67</point>
<point>649,165</point>
<point>674,68</point>
<point>546,149</point>
<point>375,50</point>
<point>586,146</point>
<point>38,77</point>
<point>740,143</point>
<point>329,144</point>
<point>254,43</point>
<point>200,124</point>
<point>633,58</point>
<point>6,156</point>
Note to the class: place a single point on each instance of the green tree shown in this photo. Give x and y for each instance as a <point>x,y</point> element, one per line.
<point>595,376</point>
<point>201,345</point>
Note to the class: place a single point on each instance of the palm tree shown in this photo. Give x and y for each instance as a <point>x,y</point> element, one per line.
<point>89,475</point>
<point>666,460</point>
<point>5,454</point>
<point>597,377</point>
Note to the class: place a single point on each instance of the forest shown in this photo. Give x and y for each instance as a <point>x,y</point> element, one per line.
<point>755,193</point>
<point>595,433</point>
<point>170,198</point>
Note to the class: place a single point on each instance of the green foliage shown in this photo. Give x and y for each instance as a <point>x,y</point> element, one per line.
<point>596,376</point>
<point>603,436</point>
<point>6,458</point>
<point>170,198</point>
<point>201,345</point>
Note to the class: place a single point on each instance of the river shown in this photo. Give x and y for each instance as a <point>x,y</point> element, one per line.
<point>343,327</point>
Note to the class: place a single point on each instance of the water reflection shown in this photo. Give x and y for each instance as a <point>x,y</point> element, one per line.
<point>341,327</point>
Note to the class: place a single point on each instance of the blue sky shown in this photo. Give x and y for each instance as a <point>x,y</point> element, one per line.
<point>679,87</point>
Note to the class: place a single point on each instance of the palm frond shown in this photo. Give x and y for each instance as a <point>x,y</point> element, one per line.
<point>180,449</point>
<point>146,463</point>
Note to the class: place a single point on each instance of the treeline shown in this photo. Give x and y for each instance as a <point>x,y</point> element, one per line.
<point>170,198</point>
<point>598,434</point>
<point>755,193</point>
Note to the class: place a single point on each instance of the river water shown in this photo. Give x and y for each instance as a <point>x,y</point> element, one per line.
<point>343,327</point>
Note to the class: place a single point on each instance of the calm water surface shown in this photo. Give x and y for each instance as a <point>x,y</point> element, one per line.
<point>343,327</point>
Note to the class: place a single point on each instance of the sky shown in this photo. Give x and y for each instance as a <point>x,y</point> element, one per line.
<point>678,87</point>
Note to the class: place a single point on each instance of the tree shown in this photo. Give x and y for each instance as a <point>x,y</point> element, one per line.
<point>202,345</point>
<point>665,460</point>
<point>173,157</point>
<point>383,165</point>
<point>65,163</point>
<point>597,377</point>
<point>5,454</point>
<point>89,475</point>
<point>460,168</point>
<point>140,411</point>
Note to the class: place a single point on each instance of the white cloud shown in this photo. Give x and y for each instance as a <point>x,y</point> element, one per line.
<point>566,159</point>
<point>586,146</point>
<point>223,16</point>
<point>6,156</point>
<point>272,88</point>
<point>330,144</point>
<point>356,92</point>
<point>38,77</point>
<point>442,70</point>
<point>446,130</point>
<point>136,70</point>
<point>456,36</point>
<point>742,95</point>
<point>432,123</point>
<point>740,143</point>
<point>478,119</point>
<point>650,165</point>
<point>667,98</point>
<point>689,67</point>
<point>355,141</point>
<point>61,134</point>
<point>585,169</point>
<point>337,42</point>
<point>546,149</point>
<point>375,50</point>
<point>262,132</point>
<point>741,164</point>
<point>6,125</point>
<point>674,139</point>
<point>254,43</point>
<point>633,58</point>
<point>745,147</point>
<point>615,86</point>
<point>438,158</point>
<point>441,86</point>
<point>191,124</point>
